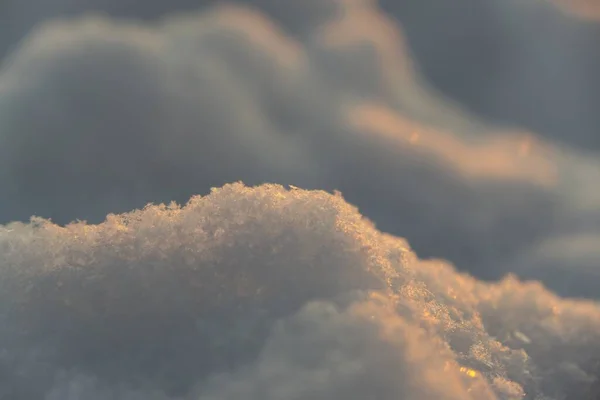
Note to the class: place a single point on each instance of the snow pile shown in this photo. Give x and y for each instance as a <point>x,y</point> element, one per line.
<point>268,293</point>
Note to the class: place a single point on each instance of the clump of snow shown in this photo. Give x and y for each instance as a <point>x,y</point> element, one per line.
<point>269,293</point>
